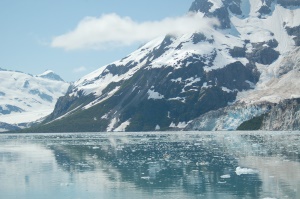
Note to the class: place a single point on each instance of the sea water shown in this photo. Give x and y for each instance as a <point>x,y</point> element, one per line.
<point>207,165</point>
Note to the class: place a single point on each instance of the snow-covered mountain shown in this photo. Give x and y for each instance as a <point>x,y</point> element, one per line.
<point>242,66</point>
<point>49,74</point>
<point>25,98</point>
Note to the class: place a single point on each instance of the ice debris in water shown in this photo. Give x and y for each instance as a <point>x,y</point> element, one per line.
<point>225,176</point>
<point>244,171</point>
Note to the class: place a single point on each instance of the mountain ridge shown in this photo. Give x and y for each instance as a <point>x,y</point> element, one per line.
<point>49,74</point>
<point>175,80</point>
<point>26,98</point>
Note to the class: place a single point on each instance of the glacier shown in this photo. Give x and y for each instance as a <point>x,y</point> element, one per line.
<point>26,98</point>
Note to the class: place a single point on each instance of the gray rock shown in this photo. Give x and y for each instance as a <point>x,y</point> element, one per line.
<point>286,3</point>
<point>8,127</point>
<point>9,109</point>
<point>264,53</point>
<point>284,116</point>
<point>228,118</point>
<point>294,31</point>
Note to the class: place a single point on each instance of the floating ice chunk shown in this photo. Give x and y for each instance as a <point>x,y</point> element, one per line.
<point>146,178</point>
<point>244,171</point>
<point>225,176</point>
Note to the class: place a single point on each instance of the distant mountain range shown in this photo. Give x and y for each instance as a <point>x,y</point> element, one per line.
<point>240,74</point>
<point>25,98</point>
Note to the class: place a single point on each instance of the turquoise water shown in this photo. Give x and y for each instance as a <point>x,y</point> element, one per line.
<point>151,165</point>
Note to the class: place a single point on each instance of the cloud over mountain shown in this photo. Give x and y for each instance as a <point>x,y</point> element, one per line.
<point>112,30</point>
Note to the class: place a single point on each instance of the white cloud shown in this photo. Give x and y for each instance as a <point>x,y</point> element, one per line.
<point>111,30</point>
<point>80,69</point>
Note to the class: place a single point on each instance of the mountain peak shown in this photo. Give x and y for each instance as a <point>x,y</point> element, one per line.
<point>49,74</point>
<point>201,6</point>
<point>171,81</point>
<point>218,9</point>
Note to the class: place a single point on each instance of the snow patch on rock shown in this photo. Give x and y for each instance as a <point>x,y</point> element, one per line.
<point>111,125</point>
<point>154,95</point>
<point>122,127</point>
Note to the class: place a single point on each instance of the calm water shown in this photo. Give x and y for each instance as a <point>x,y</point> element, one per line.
<point>153,165</point>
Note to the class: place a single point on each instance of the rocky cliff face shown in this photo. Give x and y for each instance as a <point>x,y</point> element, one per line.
<point>283,116</point>
<point>218,9</point>
<point>172,80</point>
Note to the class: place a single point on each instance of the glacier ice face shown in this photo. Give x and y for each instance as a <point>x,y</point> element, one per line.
<point>228,118</point>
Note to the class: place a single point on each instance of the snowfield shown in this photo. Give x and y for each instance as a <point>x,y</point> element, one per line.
<point>215,79</point>
<point>26,98</point>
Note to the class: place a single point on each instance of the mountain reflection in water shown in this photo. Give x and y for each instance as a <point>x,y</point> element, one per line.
<point>152,165</point>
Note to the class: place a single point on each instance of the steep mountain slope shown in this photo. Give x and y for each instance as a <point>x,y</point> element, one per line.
<point>172,80</point>
<point>281,87</point>
<point>25,98</point>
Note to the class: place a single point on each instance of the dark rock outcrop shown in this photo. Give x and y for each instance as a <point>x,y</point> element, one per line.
<point>264,53</point>
<point>8,127</point>
<point>8,109</point>
<point>221,13</point>
<point>286,3</point>
<point>294,31</point>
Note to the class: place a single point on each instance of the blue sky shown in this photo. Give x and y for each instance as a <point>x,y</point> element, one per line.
<point>30,27</point>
